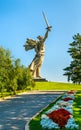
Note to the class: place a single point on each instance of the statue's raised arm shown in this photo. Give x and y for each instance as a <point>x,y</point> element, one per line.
<point>48,28</point>
<point>46,34</point>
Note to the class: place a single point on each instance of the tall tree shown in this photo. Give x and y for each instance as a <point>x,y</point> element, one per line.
<point>5,64</point>
<point>13,75</point>
<point>73,72</point>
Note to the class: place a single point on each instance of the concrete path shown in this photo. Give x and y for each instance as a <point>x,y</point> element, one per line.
<point>15,112</point>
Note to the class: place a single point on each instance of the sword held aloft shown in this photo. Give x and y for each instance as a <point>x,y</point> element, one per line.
<point>46,21</point>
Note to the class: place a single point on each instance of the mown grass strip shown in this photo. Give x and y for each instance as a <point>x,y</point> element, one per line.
<point>77,108</point>
<point>56,86</point>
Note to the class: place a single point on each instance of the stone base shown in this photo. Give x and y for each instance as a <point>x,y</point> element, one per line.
<point>40,80</point>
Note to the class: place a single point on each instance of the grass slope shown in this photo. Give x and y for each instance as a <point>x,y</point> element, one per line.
<point>56,86</point>
<point>77,108</point>
<point>42,86</point>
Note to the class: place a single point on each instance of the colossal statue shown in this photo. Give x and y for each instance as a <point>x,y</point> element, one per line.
<point>39,47</point>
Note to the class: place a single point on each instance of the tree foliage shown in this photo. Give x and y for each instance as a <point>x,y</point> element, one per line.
<point>13,75</point>
<point>73,72</point>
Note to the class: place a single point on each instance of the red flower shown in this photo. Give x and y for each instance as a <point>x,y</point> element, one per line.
<point>67,99</point>
<point>60,116</point>
<point>71,92</point>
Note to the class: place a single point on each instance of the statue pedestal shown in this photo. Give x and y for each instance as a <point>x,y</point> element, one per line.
<point>40,80</point>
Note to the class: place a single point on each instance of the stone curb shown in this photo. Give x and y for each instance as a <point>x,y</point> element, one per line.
<point>27,124</point>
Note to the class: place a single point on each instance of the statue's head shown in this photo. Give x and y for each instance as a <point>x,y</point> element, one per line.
<point>39,37</point>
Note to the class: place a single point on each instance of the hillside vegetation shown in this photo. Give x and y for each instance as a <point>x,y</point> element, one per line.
<point>56,86</point>
<point>46,86</point>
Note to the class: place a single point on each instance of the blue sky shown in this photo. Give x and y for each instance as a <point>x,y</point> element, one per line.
<point>22,19</point>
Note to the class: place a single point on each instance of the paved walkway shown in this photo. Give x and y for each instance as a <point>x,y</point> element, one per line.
<point>15,112</point>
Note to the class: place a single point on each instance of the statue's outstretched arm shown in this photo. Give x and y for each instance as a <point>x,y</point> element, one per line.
<point>46,34</point>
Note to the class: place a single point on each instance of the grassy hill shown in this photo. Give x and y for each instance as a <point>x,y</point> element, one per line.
<point>56,86</point>
<point>44,86</point>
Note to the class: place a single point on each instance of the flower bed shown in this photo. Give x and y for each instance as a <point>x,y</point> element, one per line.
<point>61,114</point>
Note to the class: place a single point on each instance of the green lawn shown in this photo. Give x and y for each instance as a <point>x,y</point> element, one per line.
<point>35,122</point>
<point>56,86</point>
<point>77,108</point>
<point>42,86</point>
